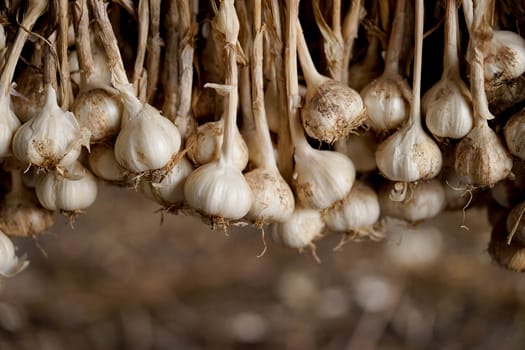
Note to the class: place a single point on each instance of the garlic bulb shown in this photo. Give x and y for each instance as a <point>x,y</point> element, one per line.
<point>505,59</point>
<point>10,264</point>
<point>170,190</point>
<point>481,158</point>
<point>360,149</point>
<point>73,192</point>
<point>205,144</point>
<point>300,229</point>
<point>509,255</point>
<point>147,140</point>
<point>514,133</point>
<point>51,139</point>
<point>331,109</point>
<point>98,111</point>
<point>103,164</point>
<point>9,123</point>
<point>516,222</point>
<point>422,201</point>
<point>358,210</point>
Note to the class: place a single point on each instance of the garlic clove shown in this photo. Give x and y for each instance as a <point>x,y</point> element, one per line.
<point>424,200</point>
<point>358,210</point>
<point>10,264</point>
<point>514,132</point>
<point>409,155</point>
<point>103,164</point>
<point>218,190</point>
<point>273,197</point>
<point>321,178</point>
<point>481,158</point>
<point>98,111</point>
<point>300,229</point>
<point>170,190</point>
<point>360,149</point>
<point>205,145</point>
<point>9,123</point>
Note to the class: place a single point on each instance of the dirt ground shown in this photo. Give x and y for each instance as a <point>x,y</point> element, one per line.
<point>127,277</point>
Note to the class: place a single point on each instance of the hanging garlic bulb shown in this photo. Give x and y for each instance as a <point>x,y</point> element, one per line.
<point>103,164</point>
<point>360,149</point>
<point>410,154</point>
<point>205,144</point>
<point>20,212</point>
<point>447,105</point>
<point>51,139</point>
<point>421,201</point>
<point>170,189</point>
<point>74,191</point>
<point>146,141</point>
<point>386,98</point>
<point>10,264</point>
<point>300,229</point>
<point>331,109</point>
<point>514,133</point>
<point>218,188</point>
<point>358,211</point>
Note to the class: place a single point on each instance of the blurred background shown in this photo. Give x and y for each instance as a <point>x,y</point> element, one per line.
<point>125,276</point>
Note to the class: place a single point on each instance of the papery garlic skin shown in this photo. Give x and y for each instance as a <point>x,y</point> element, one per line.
<point>273,198</point>
<point>53,138</point>
<point>103,164</point>
<point>9,123</point>
<point>386,106</point>
<point>57,192</point>
<point>300,229</point>
<point>205,145</point>
<point>331,111</point>
<point>170,190</point>
<point>359,209</point>
<point>360,149</point>
<point>146,141</point>
<point>219,190</point>
<point>99,112</point>
<point>409,155</point>
<point>448,113</point>
<point>321,178</point>
<point>514,133</point>
<point>506,57</point>
<point>481,158</point>
<point>424,200</point>
<point>10,264</point>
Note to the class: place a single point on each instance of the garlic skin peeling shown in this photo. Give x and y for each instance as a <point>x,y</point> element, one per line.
<point>10,264</point>
<point>53,138</point>
<point>321,178</point>
<point>481,158</point>
<point>219,190</point>
<point>409,155</point>
<point>9,123</point>
<point>300,229</point>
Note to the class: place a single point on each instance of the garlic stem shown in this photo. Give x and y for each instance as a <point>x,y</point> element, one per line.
<point>155,43</point>
<point>138,70</point>
<point>415,106</point>
<point>34,10</point>
<point>350,30</point>
<point>312,76</point>
<point>336,17</point>
<point>451,60</point>
<point>50,64</point>
<point>83,42</point>
<point>66,90</point>
<point>395,42</point>
<point>170,82</point>
<point>468,13</point>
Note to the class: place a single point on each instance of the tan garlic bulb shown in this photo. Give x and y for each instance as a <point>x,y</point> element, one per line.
<point>509,255</point>
<point>514,133</point>
<point>360,149</point>
<point>99,111</point>
<point>10,264</point>
<point>205,144</point>
<point>74,191</point>
<point>359,210</point>
<point>103,164</point>
<point>331,109</point>
<point>300,229</point>
<point>51,139</point>
<point>421,201</point>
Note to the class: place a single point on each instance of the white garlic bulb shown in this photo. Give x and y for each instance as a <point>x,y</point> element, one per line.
<point>506,57</point>
<point>273,198</point>
<point>10,264</point>
<point>74,191</point>
<point>300,229</point>
<point>358,210</point>
<point>514,133</point>
<point>170,190</point>
<point>205,144</point>
<point>360,149</point>
<point>52,138</point>
<point>481,158</point>
<point>9,123</point>
<point>147,140</point>
<point>220,190</point>
<point>421,201</point>
<point>98,111</point>
<point>103,164</point>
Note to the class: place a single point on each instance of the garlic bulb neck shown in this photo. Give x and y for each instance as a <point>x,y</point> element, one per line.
<point>450,57</point>
<point>396,39</point>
